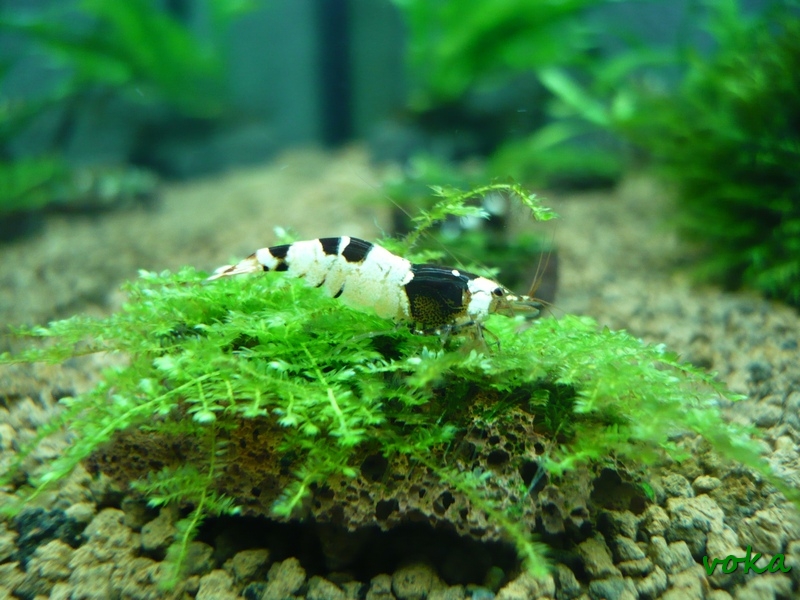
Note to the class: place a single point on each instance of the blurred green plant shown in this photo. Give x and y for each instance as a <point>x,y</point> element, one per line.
<point>457,44</point>
<point>456,47</point>
<point>135,48</point>
<point>579,146</point>
<point>107,48</point>
<point>28,184</point>
<point>729,138</point>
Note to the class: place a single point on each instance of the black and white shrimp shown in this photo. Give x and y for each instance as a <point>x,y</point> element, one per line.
<point>367,277</point>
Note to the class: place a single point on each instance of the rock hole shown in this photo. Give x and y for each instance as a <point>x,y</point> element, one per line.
<point>384,508</point>
<point>364,553</point>
<point>498,457</point>
<point>638,504</point>
<point>579,512</point>
<point>533,476</point>
<point>443,502</point>
<point>550,508</point>
<point>374,466</point>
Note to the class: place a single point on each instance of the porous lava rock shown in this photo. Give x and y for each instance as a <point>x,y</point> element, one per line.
<point>505,453</point>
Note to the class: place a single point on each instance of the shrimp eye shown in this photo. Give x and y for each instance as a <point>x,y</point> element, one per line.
<point>498,292</point>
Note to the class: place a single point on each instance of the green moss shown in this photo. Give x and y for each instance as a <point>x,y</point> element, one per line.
<point>337,380</point>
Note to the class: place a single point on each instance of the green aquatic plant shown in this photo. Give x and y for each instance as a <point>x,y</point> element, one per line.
<point>470,55</point>
<point>29,184</point>
<point>454,45</point>
<point>134,52</point>
<point>729,139</point>
<point>26,184</point>
<point>134,48</point>
<point>203,359</point>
